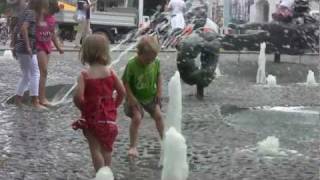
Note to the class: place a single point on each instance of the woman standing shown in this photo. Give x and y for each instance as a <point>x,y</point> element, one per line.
<point>177,9</point>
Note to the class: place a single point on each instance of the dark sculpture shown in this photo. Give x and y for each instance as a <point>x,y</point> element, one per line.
<point>207,45</point>
<point>294,37</point>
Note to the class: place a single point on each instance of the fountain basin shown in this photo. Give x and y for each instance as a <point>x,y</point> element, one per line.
<point>290,123</point>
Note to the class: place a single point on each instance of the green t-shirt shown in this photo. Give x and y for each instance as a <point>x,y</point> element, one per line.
<point>142,79</point>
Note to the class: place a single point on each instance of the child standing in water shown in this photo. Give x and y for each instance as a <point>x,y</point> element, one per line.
<point>95,99</point>
<point>45,34</point>
<point>142,81</point>
<point>25,51</point>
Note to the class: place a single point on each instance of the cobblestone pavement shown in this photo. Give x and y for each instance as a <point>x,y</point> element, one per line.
<point>38,145</point>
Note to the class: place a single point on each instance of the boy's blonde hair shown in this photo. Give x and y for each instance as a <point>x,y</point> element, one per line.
<point>148,44</point>
<point>95,50</point>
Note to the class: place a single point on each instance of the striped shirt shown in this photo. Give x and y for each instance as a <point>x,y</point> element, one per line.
<point>26,15</point>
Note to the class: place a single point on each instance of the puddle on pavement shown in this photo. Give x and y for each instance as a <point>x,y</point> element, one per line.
<point>54,93</point>
<point>291,123</point>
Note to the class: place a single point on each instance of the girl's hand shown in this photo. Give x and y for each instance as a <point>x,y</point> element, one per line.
<point>61,51</point>
<point>29,50</point>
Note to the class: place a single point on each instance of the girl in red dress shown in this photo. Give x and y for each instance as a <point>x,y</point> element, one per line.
<point>96,99</point>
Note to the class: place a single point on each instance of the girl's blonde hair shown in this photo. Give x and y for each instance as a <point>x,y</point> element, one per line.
<point>148,44</point>
<point>95,50</point>
<point>39,5</point>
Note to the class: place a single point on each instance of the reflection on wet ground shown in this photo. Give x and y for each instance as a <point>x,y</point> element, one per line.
<point>40,145</point>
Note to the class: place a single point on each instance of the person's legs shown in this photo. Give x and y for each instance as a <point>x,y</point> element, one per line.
<point>107,158</point>
<point>98,159</point>
<point>43,59</point>
<point>34,81</point>
<point>79,33</point>
<point>158,120</point>
<point>134,127</point>
<point>24,81</point>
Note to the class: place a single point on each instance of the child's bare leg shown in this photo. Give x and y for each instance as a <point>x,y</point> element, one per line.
<point>43,67</point>
<point>95,150</point>
<point>107,158</point>
<point>35,103</point>
<point>134,127</point>
<point>158,120</point>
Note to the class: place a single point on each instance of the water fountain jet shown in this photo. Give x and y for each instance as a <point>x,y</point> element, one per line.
<point>261,73</point>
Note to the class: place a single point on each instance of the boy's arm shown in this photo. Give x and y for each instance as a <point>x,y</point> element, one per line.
<point>159,86</point>
<point>119,89</point>
<point>159,90</point>
<point>78,97</point>
<point>132,101</point>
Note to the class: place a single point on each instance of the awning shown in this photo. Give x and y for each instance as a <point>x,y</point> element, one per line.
<point>66,6</point>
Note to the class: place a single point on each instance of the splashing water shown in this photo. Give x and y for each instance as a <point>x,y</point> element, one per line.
<point>104,173</point>
<point>269,146</point>
<point>58,99</point>
<point>271,80</point>
<point>7,55</point>
<point>311,81</point>
<point>175,166</point>
<point>128,36</point>
<point>123,53</point>
<point>261,73</point>
<point>217,71</point>
<point>174,113</point>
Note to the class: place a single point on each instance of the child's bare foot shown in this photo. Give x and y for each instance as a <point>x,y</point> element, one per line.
<point>45,102</point>
<point>133,152</point>
<point>39,106</point>
<point>18,101</point>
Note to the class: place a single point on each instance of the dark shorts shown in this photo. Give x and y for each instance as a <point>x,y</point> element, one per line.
<point>149,107</point>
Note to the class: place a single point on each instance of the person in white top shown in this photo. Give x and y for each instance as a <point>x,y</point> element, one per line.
<point>287,3</point>
<point>177,8</point>
<point>284,11</point>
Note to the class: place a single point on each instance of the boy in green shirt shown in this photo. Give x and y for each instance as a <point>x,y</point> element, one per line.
<point>143,84</point>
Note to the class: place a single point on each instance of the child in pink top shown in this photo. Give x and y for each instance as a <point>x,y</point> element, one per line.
<point>45,35</point>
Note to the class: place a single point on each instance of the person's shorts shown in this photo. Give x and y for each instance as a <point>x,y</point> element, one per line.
<point>44,46</point>
<point>149,107</point>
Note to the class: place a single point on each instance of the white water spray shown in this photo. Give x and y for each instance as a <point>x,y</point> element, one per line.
<point>217,71</point>
<point>271,80</point>
<point>128,36</point>
<point>311,81</point>
<point>175,166</point>
<point>269,146</point>
<point>174,113</point>
<point>58,100</point>
<point>261,73</point>
<point>7,55</point>
<point>104,173</point>
<point>123,53</point>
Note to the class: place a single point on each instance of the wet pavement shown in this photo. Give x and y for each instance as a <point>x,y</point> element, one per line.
<point>37,145</point>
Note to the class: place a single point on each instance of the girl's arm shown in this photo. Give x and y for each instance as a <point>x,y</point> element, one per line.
<point>25,34</point>
<point>78,97</point>
<point>119,89</point>
<point>56,42</point>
